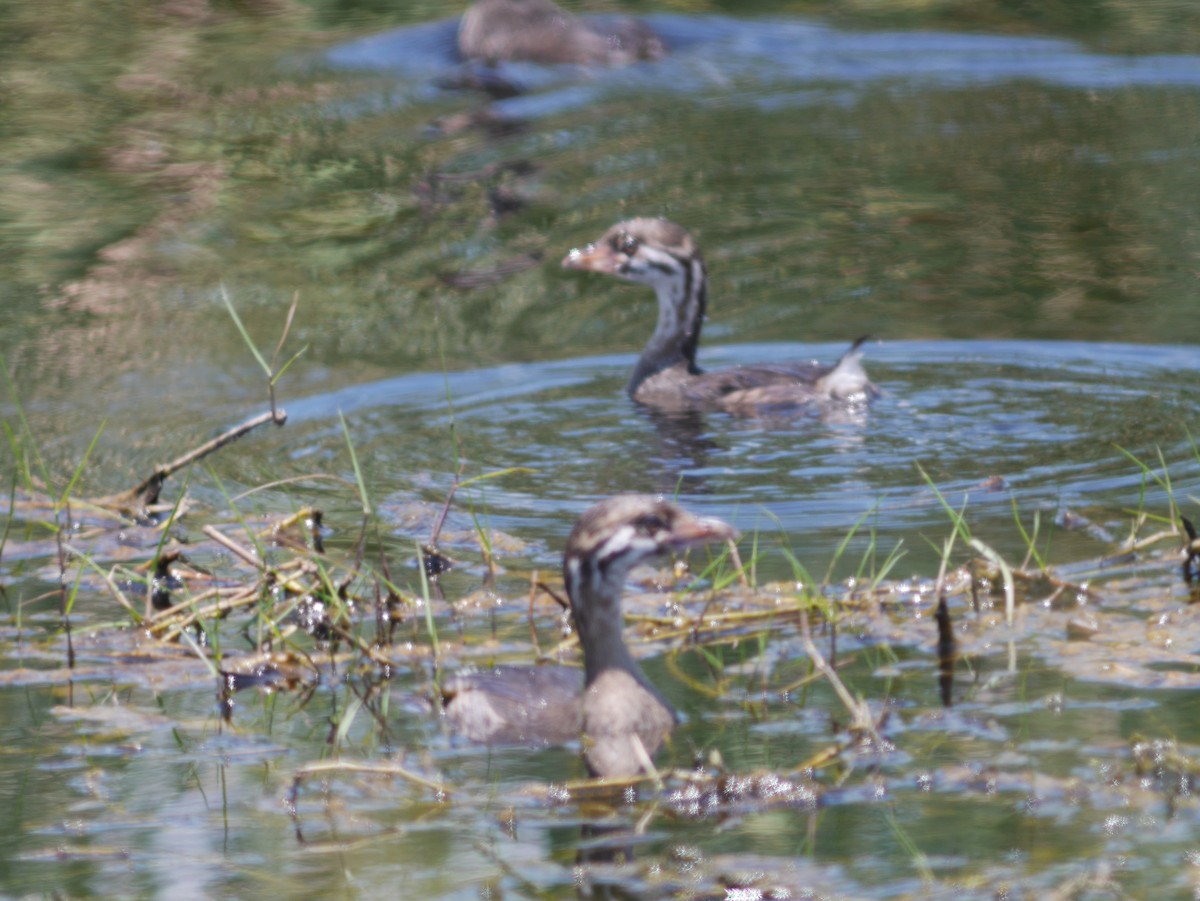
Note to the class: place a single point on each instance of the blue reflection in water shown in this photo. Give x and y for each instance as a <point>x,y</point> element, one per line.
<point>717,53</point>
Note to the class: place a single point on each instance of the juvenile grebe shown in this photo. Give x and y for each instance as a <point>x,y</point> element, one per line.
<point>619,707</point>
<point>664,255</point>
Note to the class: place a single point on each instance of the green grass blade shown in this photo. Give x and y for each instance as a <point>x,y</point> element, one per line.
<point>1010,592</point>
<point>237,320</point>
<point>75,476</point>
<point>1030,540</point>
<point>284,368</point>
<point>28,432</point>
<point>956,517</point>
<point>843,544</point>
<point>358,475</point>
<point>347,719</point>
<point>430,625</point>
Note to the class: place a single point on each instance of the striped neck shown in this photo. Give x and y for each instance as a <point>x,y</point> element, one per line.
<point>682,301</point>
<point>594,584</point>
<point>608,540</point>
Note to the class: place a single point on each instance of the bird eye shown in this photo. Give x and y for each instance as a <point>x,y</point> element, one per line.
<point>650,523</point>
<point>628,244</point>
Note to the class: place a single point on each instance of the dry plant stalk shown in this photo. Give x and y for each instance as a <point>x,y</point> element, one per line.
<point>861,719</point>
<point>145,494</point>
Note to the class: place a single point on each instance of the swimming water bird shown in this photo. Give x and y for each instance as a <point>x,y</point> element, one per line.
<point>620,716</point>
<point>664,255</point>
<point>539,31</point>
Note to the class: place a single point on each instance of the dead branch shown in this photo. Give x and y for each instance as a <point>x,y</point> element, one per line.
<point>146,493</point>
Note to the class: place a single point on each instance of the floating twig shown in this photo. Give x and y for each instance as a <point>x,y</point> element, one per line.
<point>233,547</point>
<point>328,767</point>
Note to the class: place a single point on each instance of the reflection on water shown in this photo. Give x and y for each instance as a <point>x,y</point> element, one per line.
<point>963,202</point>
<point>717,52</point>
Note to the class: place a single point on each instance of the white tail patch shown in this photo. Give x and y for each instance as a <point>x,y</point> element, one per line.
<point>847,380</point>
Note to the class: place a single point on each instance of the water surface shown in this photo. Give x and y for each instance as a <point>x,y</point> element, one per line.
<point>1012,216</point>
